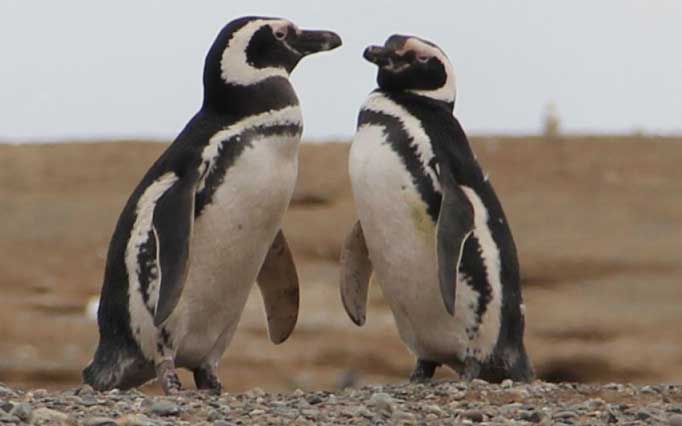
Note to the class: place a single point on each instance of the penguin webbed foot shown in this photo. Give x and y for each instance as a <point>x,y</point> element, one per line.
<point>206,378</point>
<point>471,370</point>
<point>168,377</point>
<point>423,371</point>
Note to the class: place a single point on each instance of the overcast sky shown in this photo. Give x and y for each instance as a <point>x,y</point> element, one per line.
<point>130,68</point>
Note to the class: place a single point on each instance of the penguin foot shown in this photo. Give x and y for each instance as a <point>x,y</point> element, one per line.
<point>423,371</point>
<point>168,377</point>
<point>471,370</point>
<point>206,379</point>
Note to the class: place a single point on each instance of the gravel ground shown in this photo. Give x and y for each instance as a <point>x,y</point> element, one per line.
<point>436,403</point>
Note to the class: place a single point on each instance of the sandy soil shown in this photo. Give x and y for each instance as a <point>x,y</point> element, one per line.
<point>598,222</point>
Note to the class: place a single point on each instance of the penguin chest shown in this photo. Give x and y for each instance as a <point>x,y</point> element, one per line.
<point>230,240</point>
<point>400,236</point>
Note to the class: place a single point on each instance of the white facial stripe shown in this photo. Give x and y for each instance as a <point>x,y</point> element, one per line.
<point>490,254</point>
<point>448,90</point>
<point>380,103</point>
<point>234,66</point>
<point>139,316</point>
<point>290,115</point>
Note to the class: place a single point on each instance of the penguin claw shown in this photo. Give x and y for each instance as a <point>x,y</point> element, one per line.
<point>423,371</point>
<point>168,378</point>
<point>472,369</point>
<point>206,379</point>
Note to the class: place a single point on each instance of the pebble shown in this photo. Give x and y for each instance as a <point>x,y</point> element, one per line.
<point>382,402</point>
<point>222,423</point>
<point>529,416</point>
<point>314,399</point>
<point>473,415</point>
<point>164,408</point>
<point>136,420</point>
<point>99,421</point>
<point>506,384</point>
<point>6,392</point>
<point>434,409</point>
<point>46,416</point>
<point>8,418</point>
<point>675,420</point>
<point>22,411</point>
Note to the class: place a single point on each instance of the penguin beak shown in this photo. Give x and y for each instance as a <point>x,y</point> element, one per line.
<point>379,55</point>
<point>307,42</point>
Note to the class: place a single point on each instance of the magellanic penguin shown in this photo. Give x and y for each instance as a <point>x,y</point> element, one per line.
<point>430,226</point>
<point>204,223</point>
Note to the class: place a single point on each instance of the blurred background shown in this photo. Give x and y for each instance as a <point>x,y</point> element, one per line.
<point>574,109</point>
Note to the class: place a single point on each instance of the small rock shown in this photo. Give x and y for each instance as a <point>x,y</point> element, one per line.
<point>403,417</point>
<point>8,418</point>
<point>6,406</point>
<point>136,420</point>
<point>676,420</point>
<point>529,416</point>
<point>45,416</point>
<point>222,423</point>
<point>473,415</point>
<point>164,408</point>
<point>314,399</point>
<point>298,393</point>
<point>506,384</point>
<point>382,402</point>
<point>6,392</point>
<point>23,411</point>
<point>642,415</point>
<point>84,390</point>
<point>565,416</point>
<point>88,400</point>
<point>648,389</point>
<point>213,416</point>
<point>256,412</point>
<point>256,392</point>
<point>311,413</point>
<point>99,421</point>
<point>433,409</point>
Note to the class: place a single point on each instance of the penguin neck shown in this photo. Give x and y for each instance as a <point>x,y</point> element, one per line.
<point>409,97</point>
<point>237,101</point>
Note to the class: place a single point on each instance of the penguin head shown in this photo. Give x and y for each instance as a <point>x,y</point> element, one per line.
<point>251,49</point>
<point>412,64</point>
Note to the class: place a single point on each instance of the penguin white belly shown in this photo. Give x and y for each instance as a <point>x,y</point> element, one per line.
<point>230,241</point>
<point>400,237</point>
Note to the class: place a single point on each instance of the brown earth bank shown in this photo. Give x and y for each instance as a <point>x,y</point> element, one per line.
<point>597,220</point>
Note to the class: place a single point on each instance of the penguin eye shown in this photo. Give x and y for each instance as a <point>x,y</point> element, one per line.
<point>423,59</point>
<point>281,33</point>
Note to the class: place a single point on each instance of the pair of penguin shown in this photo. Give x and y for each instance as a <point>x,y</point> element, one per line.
<point>204,223</point>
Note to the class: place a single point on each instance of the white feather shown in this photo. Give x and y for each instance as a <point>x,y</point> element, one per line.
<point>140,319</point>
<point>234,65</point>
<point>287,115</point>
<point>447,91</point>
<point>490,253</point>
<point>378,102</point>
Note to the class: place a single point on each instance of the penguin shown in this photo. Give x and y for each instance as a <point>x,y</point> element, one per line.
<point>431,230</point>
<point>204,223</point>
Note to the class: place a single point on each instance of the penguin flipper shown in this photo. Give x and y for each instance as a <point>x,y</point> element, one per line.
<point>278,283</point>
<point>455,224</point>
<point>356,269</point>
<point>173,219</point>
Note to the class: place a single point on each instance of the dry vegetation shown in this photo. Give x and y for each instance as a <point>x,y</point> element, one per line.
<point>598,222</point>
